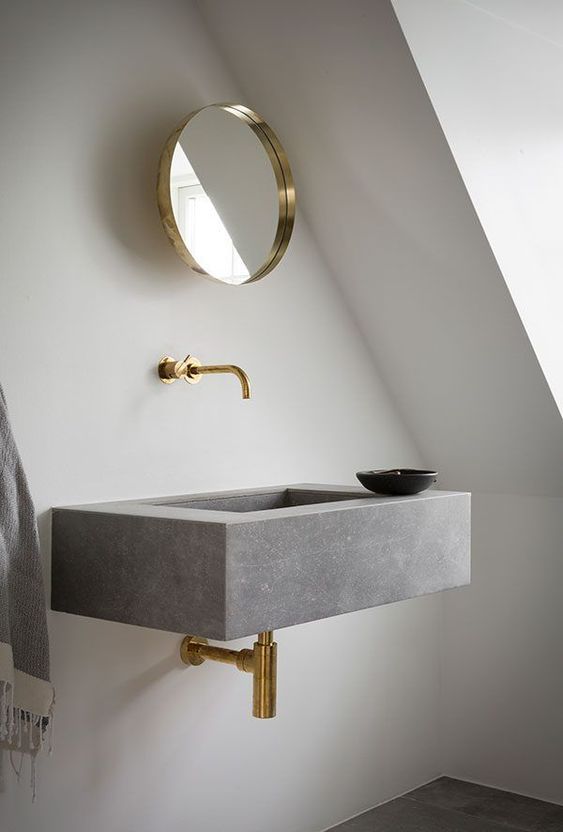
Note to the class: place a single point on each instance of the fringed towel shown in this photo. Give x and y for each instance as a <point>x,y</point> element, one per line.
<point>26,694</point>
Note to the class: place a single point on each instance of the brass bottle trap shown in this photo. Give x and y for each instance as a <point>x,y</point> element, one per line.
<point>261,661</point>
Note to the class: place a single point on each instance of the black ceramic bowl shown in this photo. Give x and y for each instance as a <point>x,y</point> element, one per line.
<point>397,480</point>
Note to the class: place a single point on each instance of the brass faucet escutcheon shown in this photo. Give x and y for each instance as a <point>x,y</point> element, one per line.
<point>261,661</point>
<point>191,370</point>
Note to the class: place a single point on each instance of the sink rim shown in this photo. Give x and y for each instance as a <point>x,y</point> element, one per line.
<point>167,507</point>
<point>287,497</point>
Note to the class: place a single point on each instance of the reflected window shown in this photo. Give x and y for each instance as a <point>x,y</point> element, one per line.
<point>206,236</point>
<point>200,225</point>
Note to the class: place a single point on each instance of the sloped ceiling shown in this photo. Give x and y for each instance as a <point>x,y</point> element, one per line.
<point>493,69</point>
<point>379,188</point>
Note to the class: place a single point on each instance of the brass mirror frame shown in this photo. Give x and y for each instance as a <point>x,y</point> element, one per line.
<point>284,182</point>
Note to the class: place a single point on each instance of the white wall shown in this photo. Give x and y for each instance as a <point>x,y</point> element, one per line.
<point>493,70</point>
<point>91,296</point>
<point>502,669</point>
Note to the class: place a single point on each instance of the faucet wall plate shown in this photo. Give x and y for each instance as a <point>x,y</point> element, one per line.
<point>170,370</point>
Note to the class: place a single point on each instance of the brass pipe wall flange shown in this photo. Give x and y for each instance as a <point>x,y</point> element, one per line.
<point>189,650</point>
<point>261,661</point>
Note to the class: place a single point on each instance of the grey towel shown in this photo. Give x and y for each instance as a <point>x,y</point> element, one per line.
<point>26,694</point>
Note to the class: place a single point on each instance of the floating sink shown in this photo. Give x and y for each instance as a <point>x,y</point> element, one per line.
<point>231,564</point>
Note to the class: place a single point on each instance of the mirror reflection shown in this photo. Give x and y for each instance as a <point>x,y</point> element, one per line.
<point>226,194</point>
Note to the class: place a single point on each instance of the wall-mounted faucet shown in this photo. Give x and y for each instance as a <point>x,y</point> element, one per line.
<point>191,370</point>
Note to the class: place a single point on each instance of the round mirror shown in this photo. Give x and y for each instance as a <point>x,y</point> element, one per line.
<point>226,195</point>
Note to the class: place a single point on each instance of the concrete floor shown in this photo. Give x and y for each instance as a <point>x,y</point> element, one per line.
<point>448,805</point>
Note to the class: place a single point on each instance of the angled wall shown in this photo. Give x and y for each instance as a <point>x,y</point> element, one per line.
<point>385,201</point>
<point>397,229</point>
<point>493,70</point>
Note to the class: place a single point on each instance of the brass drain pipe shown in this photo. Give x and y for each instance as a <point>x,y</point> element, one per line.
<point>261,661</point>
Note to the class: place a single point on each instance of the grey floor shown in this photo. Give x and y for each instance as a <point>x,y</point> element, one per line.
<point>448,805</point>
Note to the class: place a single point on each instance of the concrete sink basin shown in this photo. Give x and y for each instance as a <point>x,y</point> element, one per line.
<point>232,564</point>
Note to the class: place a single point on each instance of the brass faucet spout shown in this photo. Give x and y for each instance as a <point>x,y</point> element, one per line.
<point>228,368</point>
<point>191,370</point>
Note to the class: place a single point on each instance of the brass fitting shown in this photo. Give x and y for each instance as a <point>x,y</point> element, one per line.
<point>261,661</point>
<point>191,370</point>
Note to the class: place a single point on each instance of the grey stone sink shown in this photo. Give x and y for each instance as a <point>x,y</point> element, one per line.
<point>260,500</point>
<point>232,564</point>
